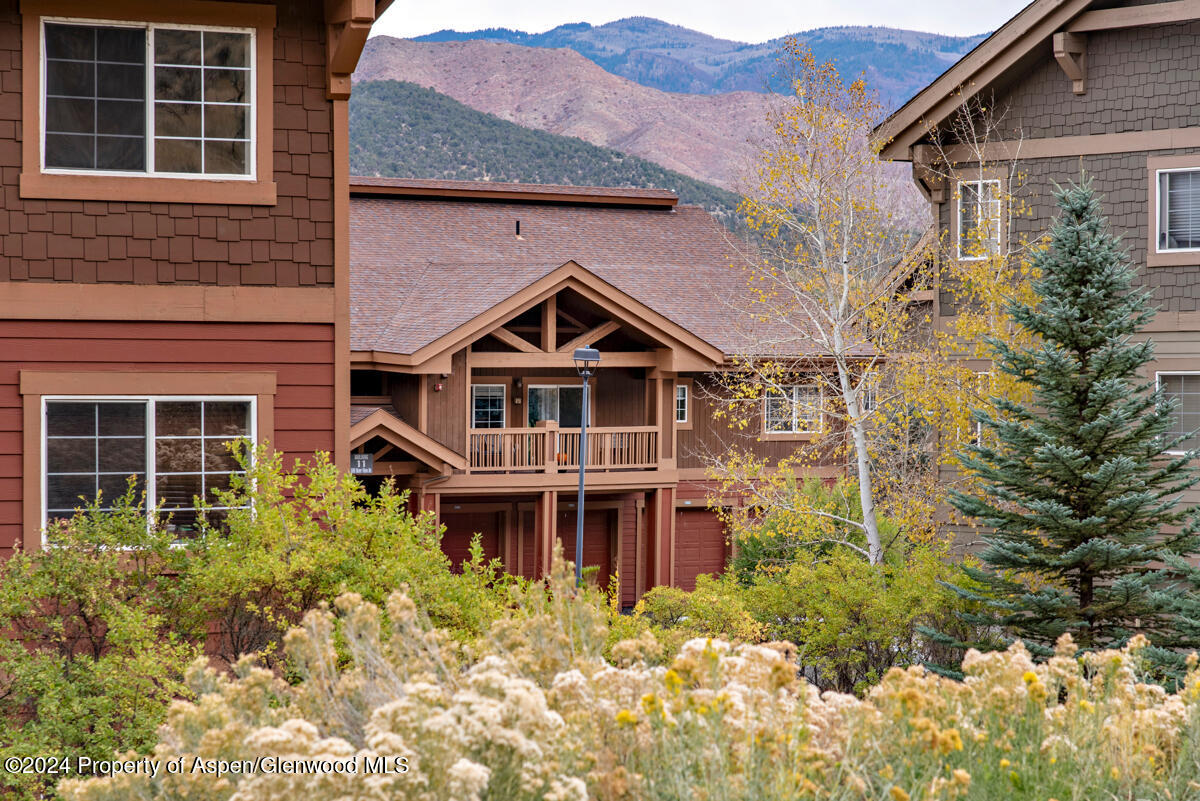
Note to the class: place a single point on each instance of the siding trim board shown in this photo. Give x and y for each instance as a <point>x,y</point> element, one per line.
<point>22,300</point>
<point>36,184</point>
<point>1082,145</point>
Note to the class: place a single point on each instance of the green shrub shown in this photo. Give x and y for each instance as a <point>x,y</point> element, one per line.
<point>301,537</point>
<point>107,619</point>
<point>99,641</point>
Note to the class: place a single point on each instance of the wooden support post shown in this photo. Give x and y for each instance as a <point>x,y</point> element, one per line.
<point>550,324</point>
<point>661,517</point>
<point>545,524</point>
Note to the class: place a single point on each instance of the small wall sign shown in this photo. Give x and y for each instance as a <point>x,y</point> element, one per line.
<point>362,464</point>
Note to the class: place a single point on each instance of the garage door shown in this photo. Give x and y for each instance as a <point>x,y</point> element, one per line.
<point>462,525</point>
<point>699,545</point>
<point>597,539</point>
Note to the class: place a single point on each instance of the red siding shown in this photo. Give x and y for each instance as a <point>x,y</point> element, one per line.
<point>301,355</point>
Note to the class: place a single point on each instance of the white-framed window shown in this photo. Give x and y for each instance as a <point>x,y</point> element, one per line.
<point>681,403</point>
<point>487,405</point>
<point>1177,212</point>
<point>1184,386</point>
<point>562,403</point>
<point>793,410</point>
<point>147,99</point>
<point>175,448</point>
<point>978,219</point>
<point>868,393</point>
<point>977,392</point>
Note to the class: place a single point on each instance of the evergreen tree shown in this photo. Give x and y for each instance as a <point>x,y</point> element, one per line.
<point>1077,493</point>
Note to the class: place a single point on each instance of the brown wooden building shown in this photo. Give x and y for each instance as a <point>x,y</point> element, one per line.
<point>174,243</point>
<point>1110,88</point>
<point>184,259</point>
<point>467,303</point>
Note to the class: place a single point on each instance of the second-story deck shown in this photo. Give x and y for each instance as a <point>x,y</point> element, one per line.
<point>550,449</point>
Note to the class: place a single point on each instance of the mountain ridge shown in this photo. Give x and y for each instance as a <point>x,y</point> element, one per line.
<point>709,137</point>
<point>401,130</point>
<point>897,62</point>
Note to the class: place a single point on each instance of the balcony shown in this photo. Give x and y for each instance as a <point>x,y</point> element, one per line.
<point>549,449</point>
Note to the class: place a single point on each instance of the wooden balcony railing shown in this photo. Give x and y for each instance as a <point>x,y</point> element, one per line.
<point>550,449</point>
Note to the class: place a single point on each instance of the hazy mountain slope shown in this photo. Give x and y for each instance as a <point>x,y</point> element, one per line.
<point>705,136</point>
<point>654,53</point>
<point>403,130</point>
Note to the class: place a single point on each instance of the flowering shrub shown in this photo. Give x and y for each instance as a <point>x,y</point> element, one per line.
<point>534,711</point>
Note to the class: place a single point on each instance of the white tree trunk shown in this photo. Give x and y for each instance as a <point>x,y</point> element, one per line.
<point>862,459</point>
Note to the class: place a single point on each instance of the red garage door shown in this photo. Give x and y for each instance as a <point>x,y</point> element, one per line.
<point>597,539</point>
<point>461,526</point>
<point>699,545</point>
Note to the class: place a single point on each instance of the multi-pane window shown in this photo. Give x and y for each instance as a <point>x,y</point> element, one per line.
<point>1178,210</point>
<point>487,406</point>
<point>176,450</point>
<point>681,403</point>
<point>978,219</point>
<point>1185,387</point>
<point>153,99</point>
<point>793,410</point>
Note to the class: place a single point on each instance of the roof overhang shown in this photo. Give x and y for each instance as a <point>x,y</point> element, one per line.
<point>680,350</point>
<point>401,435</point>
<point>1035,24</point>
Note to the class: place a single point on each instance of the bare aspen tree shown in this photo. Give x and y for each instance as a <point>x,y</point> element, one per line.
<point>827,300</point>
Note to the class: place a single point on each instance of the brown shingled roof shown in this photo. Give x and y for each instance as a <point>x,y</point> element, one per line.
<point>422,267</point>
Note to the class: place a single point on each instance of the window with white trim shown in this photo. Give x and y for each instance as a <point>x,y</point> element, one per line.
<point>148,99</point>
<point>978,219</point>
<point>1178,210</point>
<point>868,393</point>
<point>681,403</point>
<point>793,410</point>
<point>487,406</point>
<point>176,450</point>
<point>1185,420</point>
<point>975,394</point>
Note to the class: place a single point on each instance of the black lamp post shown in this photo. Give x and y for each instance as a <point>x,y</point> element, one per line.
<point>586,360</point>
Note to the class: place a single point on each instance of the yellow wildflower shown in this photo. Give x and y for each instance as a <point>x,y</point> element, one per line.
<point>962,777</point>
<point>898,794</point>
<point>1030,677</point>
<point>627,717</point>
<point>1116,774</point>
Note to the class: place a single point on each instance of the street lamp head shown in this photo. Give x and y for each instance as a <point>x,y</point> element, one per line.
<point>586,359</point>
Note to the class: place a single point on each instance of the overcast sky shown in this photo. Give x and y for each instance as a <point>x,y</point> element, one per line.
<point>755,21</point>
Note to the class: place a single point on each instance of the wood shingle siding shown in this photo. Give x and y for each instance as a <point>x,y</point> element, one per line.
<point>287,244</point>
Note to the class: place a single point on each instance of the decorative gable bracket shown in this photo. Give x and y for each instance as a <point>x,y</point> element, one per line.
<point>929,173</point>
<point>347,24</point>
<point>1070,51</point>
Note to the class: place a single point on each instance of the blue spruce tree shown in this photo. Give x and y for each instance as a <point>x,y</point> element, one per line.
<point>1078,497</point>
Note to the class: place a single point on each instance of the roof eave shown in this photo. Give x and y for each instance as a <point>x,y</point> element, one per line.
<point>430,357</point>
<point>972,73</point>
